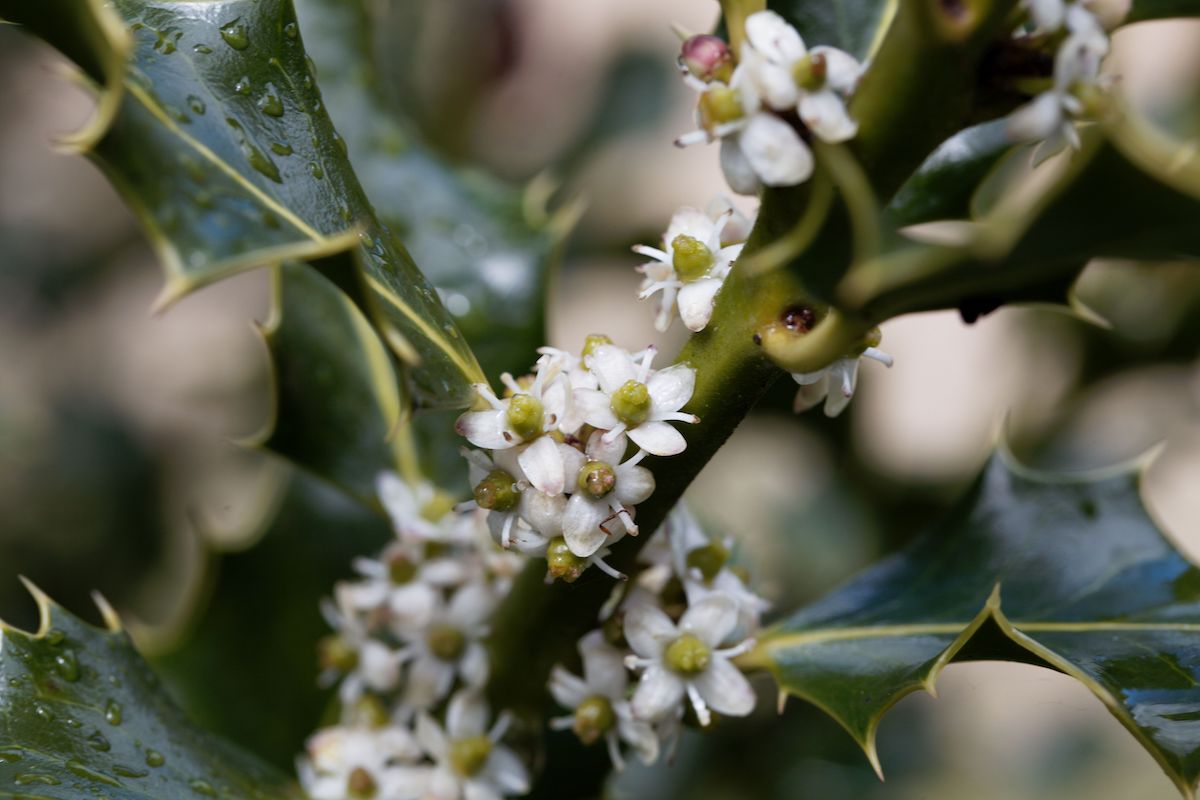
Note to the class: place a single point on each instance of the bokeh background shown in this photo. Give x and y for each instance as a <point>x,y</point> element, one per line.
<point>119,468</point>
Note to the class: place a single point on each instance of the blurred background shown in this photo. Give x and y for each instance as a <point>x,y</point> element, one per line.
<point>119,472</point>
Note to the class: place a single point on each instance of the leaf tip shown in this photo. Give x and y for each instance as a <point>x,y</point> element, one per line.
<point>107,612</point>
<point>44,605</point>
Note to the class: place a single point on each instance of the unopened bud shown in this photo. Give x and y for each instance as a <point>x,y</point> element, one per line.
<point>468,756</point>
<point>334,652</point>
<point>809,72</point>
<point>525,415</point>
<point>719,105</point>
<point>687,655</point>
<point>707,57</point>
<point>597,479</point>
<point>690,257</point>
<point>497,492</point>
<point>561,563</point>
<point>593,718</point>
<point>631,403</point>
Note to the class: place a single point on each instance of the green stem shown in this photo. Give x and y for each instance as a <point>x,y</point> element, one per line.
<point>734,13</point>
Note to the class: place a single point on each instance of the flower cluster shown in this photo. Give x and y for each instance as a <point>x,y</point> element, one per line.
<point>1083,44</point>
<point>680,625</point>
<point>763,106</point>
<point>559,470</point>
<point>698,251</point>
<point>408,640</point>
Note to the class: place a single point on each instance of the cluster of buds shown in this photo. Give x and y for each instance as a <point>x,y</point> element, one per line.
<point>679,627</point>
<point>764,105</point>
<point>698,250</point>
<point>559,472</point>
<point>1082,43</point>
<point>407,642</point>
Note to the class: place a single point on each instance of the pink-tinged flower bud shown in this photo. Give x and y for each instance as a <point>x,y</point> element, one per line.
<point>707,57</point>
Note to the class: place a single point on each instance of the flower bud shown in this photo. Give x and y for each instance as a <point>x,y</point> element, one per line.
<point>709,559</point>
<point>707,57</point>
<point>446,642</point>
<point>809,72</point>
<point>525,415</point>
<point>596,479</point>
<point>631,403</point>
<point>687,655</point>
<point>497,492</point>
<point>593,718</point>
<point>690,257</point>
<point>561,563</point>
<point>719,105</point>
<point>469,755</point>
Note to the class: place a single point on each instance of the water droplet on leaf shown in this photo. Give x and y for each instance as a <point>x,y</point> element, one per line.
<point>234,34</point>
<point>113,712</point>
<point>154,758</point>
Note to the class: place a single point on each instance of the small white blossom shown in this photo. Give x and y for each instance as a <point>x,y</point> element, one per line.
<point>401,583</point>
<point>357,762</point>
<point>522,417</point>
<point>599,702</point>
<point>638,401</point>
<point>790,76</point>
<point>690,268</point>
<point>374,665</point>
<point>449,646</point>
<point>469,761</point>
<point>605,492</point>
<point>685,659</point>
<point>409,506</point>
<point>834,384</point>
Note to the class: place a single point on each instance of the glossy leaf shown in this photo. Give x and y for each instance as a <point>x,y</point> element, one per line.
<point>337,402</point>
<point>222,144</point>
<point>1071,571</point>
<point>82,715</point>
<point>856,26</point>
<point>1141,10</point>
<point>474,235</point>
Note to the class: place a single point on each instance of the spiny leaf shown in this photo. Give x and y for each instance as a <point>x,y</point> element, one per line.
<point>1142,10</point>
<point>1072,571</point>
<point>81,714</point>
<point>223,146</point>
<point>856,26</point>
<point>337,403</point>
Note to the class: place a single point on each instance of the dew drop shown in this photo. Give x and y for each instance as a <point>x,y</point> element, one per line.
<point>113,712</point>
<point>26,778</point>
<point>10,755</point>
<point>270,104</point>
<point>281,149</point>
<point>98,741</point>
<point>291,30</point>
<point>74,723</point>
<point>256,158</point>
<point>129,772</point>
<point>202,49</point>
<point>195,104</point>
<point>154,758</point>
<point>43,712</point>
<point>83,771</point>
<point>202,787</point>
<point>176,113</point>
<point>316,169</point>
<point>234,34</point>
<point>243,85</point>
<point>341,144</point>
<point>66,665</point>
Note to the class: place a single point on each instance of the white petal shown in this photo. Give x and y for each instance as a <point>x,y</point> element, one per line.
<point>474,665</point>
<point>739,173</point>
<point>471,605</point>
<point>773,81</point>
<point>725,689</point>
<point>424,681</point>
<point>811,394</point>
<point>670,389</point>
<point>843,379</point>
<point>507,771</point>
<point>581,525</point>
<point>431,737</point>
<point>648,630</point>
<point>380,666</point>
<point>573,461</point>
<point>634,485</point>
<point>1035,120</point>
<point>475,789</point>
<point>771,35</point>
<point>775,151</point>
<point>603,666</point>
<point>401,782</point>
<point>640,736</point>
<point>413,604</point>
<point>610,452</point>
<point>688,222</point>
<point>696,303</point>
<point>842,70</point>
<point>1047,14</point>
<point>658,692</point>
<point>543,512</point>
<point>612,366</point>
<point>567,689</point>
<point>486,429</point>
<point>596,408</point>
<point>711,619</point>
<point>658,438</point>
<point>542,463</point>
<point>466,715</point>
<point>825,114</point>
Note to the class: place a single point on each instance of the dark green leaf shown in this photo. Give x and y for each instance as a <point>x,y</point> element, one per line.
<point>855,26</point>
<point>337,400</point>
<point>943,186</point>
<point>82,715</point>
<point>222,144</point>
<point>1071,571</point>
<point>1141,10</point>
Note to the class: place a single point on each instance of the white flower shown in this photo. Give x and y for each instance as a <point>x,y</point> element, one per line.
<point>605,490</point>
<point>524,416</point>
<point>685,659</point>
<point>599,703</point>
<point>449,646</point>
<point>410,507</point>
<point>636,400</point>
<point>788,75</point>
<point>401,584</point>
<point>757,147</point>
<point>359,762</point>
<point>692,264</point>
<point>834,384</point>
<point>364,662</point>
<point>469,761</point>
